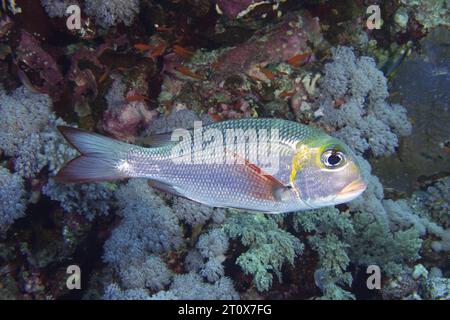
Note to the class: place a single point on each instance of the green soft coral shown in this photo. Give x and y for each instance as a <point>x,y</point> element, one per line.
<point>376,244</point>
<point>269,247</point>
<point>329,232</point>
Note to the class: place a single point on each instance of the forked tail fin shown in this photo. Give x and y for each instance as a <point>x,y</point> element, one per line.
<point>100,157</point>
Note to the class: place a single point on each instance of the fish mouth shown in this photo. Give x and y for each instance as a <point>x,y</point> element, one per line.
<point>352,190</point>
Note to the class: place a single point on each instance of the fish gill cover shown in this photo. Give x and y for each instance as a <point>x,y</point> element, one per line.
<point>133,69</point>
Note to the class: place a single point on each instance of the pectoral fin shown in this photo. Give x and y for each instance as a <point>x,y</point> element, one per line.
<point>266,186</point>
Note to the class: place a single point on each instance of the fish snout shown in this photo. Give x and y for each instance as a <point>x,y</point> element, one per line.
<point>352,190</point>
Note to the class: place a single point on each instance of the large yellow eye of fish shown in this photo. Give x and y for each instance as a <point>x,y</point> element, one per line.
<point>332,159</point>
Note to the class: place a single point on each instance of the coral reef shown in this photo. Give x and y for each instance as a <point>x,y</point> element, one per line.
<point>136,69</point>
<point>194,213</point>
<point>330,233</point>
<point>437,201</point>
<point>232,82</point>
<point>112,12</point>
<point>236,9</point>
<point>124,116</point>
<point>417,285</point>
<point>39,65</point>
<point>28,133</point>
<point>213,246</point>
<point>148,225</point>
<point>149,228</point>
<point>429,13</point>
<point>57,8</point>
<point>12,198</point>
<point>113,292</point>
<point>184,287</point>
<point>269,247</point>
<point>152,273</point>
<point>392,246</point>
<point>146,228</point>
<point>391,250</point>
<point>23,113</point>
<point>354,93</point>
<point>190,287</point>
<point>89,200</point>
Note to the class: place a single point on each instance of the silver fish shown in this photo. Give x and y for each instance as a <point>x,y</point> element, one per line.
<point>264,165</point>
